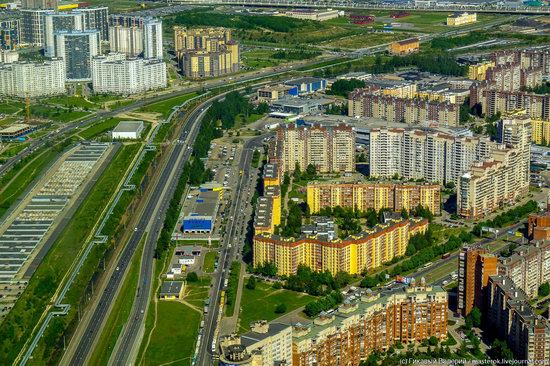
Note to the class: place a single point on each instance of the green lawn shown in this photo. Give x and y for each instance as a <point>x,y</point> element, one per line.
<point>67,101</point>
<point>197,292</point>
<point>209,260</point>
<point>119,314</point>
<point>173,339</point>
<point>259,58</point>
<point>11,107</point>
<point>20,321</point>
<point>260,303</point>
<point>165,107</point>
<point>99,128</point>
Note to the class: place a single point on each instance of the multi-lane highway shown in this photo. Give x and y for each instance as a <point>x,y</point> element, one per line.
<point>150,223</point>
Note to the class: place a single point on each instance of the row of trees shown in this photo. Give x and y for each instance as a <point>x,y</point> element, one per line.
<point>326,303</point>
<point>343,87</point>
<point>511,216</point>
<point>315,283</point>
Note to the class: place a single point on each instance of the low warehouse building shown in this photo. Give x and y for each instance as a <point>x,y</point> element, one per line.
<point>128,130</point>
<point>201,217</point>
<point>15,131</point>
<point>172,290</point>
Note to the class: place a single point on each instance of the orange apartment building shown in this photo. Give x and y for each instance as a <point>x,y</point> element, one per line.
<point>405,47</point>
<point>475,265</point>
<point>538,226</point>
<point>354,331</point>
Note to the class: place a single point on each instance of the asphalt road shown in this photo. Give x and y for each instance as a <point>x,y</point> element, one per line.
<point>179,155</point>
<point>235,237</point>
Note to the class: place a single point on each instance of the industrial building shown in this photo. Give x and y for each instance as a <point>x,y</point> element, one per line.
<point>315,15</point>
<point>128,130</point>
<point>300,106</point>
<point>272,93</point>
<point>172,290</point>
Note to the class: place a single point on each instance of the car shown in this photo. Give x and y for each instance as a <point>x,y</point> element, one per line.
<point>135,229</point>
<point>117,268</point>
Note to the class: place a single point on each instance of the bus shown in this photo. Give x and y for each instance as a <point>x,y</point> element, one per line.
<point>428,265</point>
<point>446,255</point>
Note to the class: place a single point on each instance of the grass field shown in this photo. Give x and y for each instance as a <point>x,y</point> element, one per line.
<point>260,303</point>
<point>259,58</point>
<point>99,128</point>
<point>209,260</point>
<point>67,101</point>
<point>11,107</point>
<point>119,314</point>
<point>47,277</point>
<point>165,107</point>
<point>173,339</point>
<point>365,40</point>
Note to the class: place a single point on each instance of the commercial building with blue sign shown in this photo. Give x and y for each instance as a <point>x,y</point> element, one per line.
<point>202,215</point>
<point>308,85</point>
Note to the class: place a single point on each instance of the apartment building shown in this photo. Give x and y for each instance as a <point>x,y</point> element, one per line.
<point>126,40</point>
<point>424,154</point>
<point>404,47</point>
<point>8,57</point>
<point>460,19</point>
<point>10,34</point>
<point>492,184</point>
<point>394,88</point>
<point>370,102</point>
<point>57,22</point>
<point>32,79</point>
<point>328,148</point>
<point>266,344</point>
<point>206,52</point>
<point>538,226</point>
<point>505,77</point>
<point>116,74</point>
<point>364,251</point>
<point>77,48</point>
<point>374,195</point>
<point>528,266</point>
<point>540,131</point>
<point>268,211</point>
<point>479,71</point>
<point>533,57</point>
<point>510,317</point>
<point>475,265</point>
<point>493,101</point>
<point>33,27</point>
<point>271,175</point>
<point>376,323</point>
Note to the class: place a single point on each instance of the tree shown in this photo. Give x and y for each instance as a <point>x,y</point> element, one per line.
<point>297,172</point>
<point>280,308</point>
<point>311,171</point>
<point>544,289</point>
<point>192,277</point>
<point>475,314</point>
<point>404,213</point>
<point>433,341</point>
<point>251,283</point>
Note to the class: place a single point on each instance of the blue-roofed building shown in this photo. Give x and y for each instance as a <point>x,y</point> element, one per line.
<point>308,85</point>
<point>202,214</point>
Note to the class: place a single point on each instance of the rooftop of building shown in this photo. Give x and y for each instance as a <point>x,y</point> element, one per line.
<point>408,41</point>
<point>277,87</point>
<point>15,128</point>
<point>205,204</point>
<point>264,209</point>
<point>128,126</point>
<point>171,288</point>
<point>338,317</point>
<point>304,80</point>
<point>250,338</point>
<point>362,180</point>
<point>300,102</point>
<point>271,171</point>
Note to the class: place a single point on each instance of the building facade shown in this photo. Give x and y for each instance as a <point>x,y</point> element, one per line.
<point>206,52</point>
<point>58,22</point>
<point>115,74</point>
<point>10,34</point>
<point>376,323</point>
<point>77,48</point>
<point>152,39</point>
<point>33,27</point>
<point>511,318</point>
<point>405,47</point>
<point>126,40</point>
<point>33,79</point>
<point>372,102</point>
<point>475,265</point>
<point>419,154</point>
<point>460,19</point>
<point>538,226</point>
<point>528,267</point>
<point>365,251</point>
<point>369,195</point>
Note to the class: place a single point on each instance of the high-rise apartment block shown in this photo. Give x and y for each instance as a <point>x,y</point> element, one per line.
<point>58,22</point>
<point>528,266</point>
<point>33,79</point>
<point>424,154</point>
<point>328,148</point>
<point>7,57</point>
<point>493,101</point>
<point>135,36</point>
<point>475,265</point>
<point>33,27</point>
<point>206,52</point>
<point>511,318</point>
<point>39,4</point>
<point>348,335</point>
<point>538,226</point>
<point>354,254</point>
<point>96,18</point>
<point>115,74</point>
<point>10,34</point>
<point>479,71</point>
<point>370,195</point>
<point>374,324</point>
<point>534,57</point>
<point>371,102</point>
<point>502,178</point>
<point>540,131</point>
<point>77,48</point>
